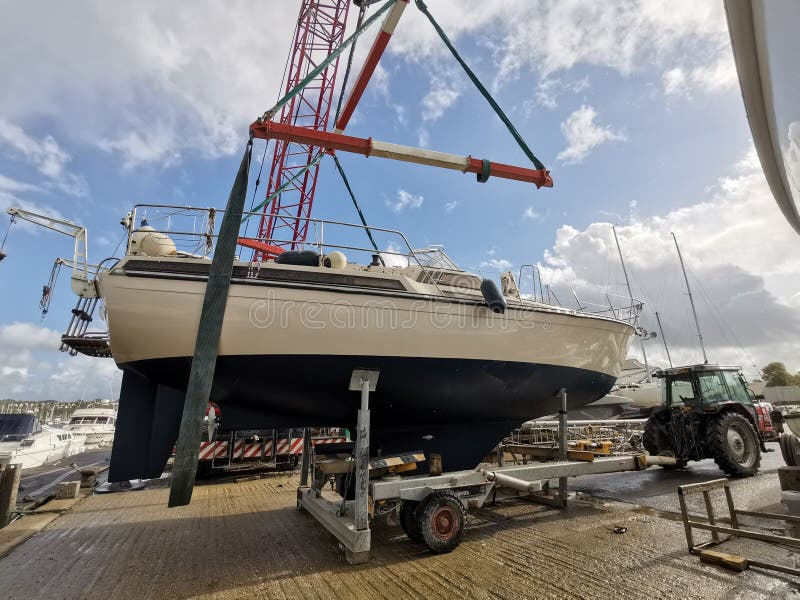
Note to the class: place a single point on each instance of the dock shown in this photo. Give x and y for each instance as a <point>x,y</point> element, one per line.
<point>246,539</point>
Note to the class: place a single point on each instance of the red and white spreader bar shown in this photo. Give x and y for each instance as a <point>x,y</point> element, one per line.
<point>369,147</point>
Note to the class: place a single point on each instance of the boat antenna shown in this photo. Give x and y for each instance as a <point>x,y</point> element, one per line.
<point>624,270</point>
<point>691,300</point>
<point>630,293</point>
<point>663,339</point>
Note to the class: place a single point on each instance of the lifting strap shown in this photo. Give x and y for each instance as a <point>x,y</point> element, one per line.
<point>484,92</point>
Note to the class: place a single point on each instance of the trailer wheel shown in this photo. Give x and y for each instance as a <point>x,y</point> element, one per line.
<point>408,520</point>
<point>441,518</point>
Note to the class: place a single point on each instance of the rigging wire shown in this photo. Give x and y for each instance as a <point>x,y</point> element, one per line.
<point>8,230</point>
<point>721,323</point>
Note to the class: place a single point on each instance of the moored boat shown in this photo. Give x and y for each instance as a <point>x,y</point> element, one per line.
<point>95,425</point>
<point>23,440</point>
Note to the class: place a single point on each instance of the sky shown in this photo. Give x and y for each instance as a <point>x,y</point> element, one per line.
<point>633,106</point>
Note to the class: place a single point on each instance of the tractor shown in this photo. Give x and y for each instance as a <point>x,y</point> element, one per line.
<point>707,411</point>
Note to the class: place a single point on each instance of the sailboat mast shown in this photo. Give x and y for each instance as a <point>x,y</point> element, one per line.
<point>691,300</point>
<point>630,293</point>
<point>663,339</point>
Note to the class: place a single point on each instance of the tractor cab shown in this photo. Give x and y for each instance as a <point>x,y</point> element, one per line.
<point>707,411</point>
<point>704,387</point>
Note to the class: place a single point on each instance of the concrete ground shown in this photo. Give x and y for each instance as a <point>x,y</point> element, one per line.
<point>247,540</point>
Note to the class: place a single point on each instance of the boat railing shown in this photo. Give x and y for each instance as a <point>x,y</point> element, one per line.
<point>603,304</point>
<point>194,231</point>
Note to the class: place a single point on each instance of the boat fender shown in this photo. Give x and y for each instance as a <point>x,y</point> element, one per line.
<point>494,299</point>
<point>303,258</point>
<point>335,260</point>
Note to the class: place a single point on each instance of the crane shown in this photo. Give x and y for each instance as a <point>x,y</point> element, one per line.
<point>81,284</point>
<point>300,134</point>
<point>284,223</point>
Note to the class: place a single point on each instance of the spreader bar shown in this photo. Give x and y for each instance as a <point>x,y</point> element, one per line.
<point>369,147</point>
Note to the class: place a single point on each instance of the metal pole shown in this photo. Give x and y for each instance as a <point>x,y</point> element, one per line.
<point>663,339</point>
<point>691,300</point>
<point>306,459</point>
<point>362,460</point>
<point>562,443</point>
<point>9,485</point>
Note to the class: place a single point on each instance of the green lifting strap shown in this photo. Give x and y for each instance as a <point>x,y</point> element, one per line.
<point>209,331</point>
<point>486,171</point>
<point>484,92</point>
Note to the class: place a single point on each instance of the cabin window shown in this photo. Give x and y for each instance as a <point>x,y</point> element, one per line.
<point>682,392</point>
<point>736,387</point>
<point>712,388</point>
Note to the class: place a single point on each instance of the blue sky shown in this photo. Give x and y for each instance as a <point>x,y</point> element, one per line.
<point>635,109</point>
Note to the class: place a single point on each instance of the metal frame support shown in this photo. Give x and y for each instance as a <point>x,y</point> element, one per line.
<point>364,381</point>
<point>347,520</point>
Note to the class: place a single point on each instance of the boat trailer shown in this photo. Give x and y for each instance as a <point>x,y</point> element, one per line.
<point>432,508</point>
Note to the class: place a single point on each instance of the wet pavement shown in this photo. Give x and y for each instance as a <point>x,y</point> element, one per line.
<point>41,481</point>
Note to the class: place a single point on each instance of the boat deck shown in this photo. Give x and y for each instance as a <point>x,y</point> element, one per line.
<point>247,539</point>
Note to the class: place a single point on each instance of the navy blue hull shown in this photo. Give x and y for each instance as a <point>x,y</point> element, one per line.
<point>455,407</point>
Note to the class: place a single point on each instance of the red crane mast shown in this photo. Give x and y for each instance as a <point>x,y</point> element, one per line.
<point>320,29</point>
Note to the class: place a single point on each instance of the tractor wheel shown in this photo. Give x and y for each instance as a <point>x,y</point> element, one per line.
<point>441,518</point>
<point>408,520</point>
<point>790,449</point>
<point>650,441</point>
<point>733,444</point>
<point>650,436</point>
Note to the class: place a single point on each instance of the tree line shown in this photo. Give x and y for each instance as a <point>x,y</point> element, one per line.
<point>776,374</point>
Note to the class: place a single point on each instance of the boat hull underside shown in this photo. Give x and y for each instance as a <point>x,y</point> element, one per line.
<point>458,408</point>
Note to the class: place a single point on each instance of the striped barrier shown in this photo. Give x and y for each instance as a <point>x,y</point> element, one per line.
<point>211,450</point>
<point>329,440</point>
<point>253,450</point>
<point>238,449</point>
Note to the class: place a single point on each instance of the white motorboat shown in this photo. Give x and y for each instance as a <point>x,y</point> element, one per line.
<point>23,440</point>
<point>95,425</point>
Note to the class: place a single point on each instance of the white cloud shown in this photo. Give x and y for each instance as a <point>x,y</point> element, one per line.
<point>7,184</point>
<point>113,79</point>
<point>404,200</point>
<point>34,369</point>
<point>715,77</point>
<point>583,134</point>
<point>549,36</point>
<point>496,264</point>
<point>45,154</point>
<point>394,256</point>
<point>437,101</point>
<point>531,215</point>
<point>451,206</point>
<point>550,89</point>
<point>746,290</point>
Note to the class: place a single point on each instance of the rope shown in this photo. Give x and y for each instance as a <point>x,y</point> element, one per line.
<point>5,237</point>
<point>324,64</point>
<point>358,208</point>
<point>484,92</point>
